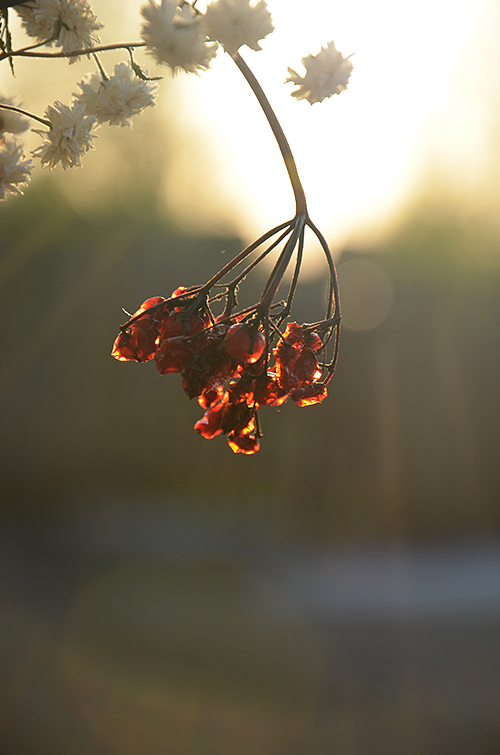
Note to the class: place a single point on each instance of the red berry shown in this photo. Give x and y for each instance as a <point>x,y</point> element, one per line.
<point>243,444</point>
<point>306,395</point>
<point>243,343</point>
<point>210,424</point>
<point>173,354</point>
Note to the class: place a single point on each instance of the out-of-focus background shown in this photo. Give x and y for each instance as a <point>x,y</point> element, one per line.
<point>338,592</point>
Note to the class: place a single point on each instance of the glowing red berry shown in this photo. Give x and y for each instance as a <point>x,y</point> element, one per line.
<point>307,395</point>
<point>173,354</point>
<point>210,424</point>
<point>243,444</point>
<point>244,343</point>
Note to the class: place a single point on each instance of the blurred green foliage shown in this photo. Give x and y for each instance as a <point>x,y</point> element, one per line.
<point>405,444</point>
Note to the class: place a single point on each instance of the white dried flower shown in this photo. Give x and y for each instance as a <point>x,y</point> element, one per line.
<point>176,36</point>
<point>71,24</point>
<point>14,123</point>
<point>117,99</point>
<point>15,172</point>
<point>327,73</point>
<point>69,136</point>
<point>234,23</point>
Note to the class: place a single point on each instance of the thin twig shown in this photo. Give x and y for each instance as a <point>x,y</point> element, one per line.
<point>244,253</point>
<point>300,199</point>
<point>295,279</point>
<point>333,293</point>
<point>281,265</point>
<point>44,121</point>
<point>261,256</point>
<point>28,53</point>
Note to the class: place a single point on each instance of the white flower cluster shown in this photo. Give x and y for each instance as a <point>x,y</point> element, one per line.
<point>71,24</point>
<point>69,135</point>
<point>15,171</point>
<point>178,35</point>
<point>175,33</point>
<point>235,23</point>
<point>115,100</point>
<point>327,73</point>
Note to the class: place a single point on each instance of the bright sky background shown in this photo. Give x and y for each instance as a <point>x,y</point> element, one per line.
<point>418,95</point>
<point>359,154</point>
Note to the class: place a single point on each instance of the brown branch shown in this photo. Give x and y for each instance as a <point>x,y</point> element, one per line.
<point>27,52</point>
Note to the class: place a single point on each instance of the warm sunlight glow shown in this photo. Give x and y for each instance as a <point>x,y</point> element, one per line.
<point>417,98</point>
<point>359,154</point>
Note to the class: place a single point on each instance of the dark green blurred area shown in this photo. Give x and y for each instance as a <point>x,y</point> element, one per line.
<point>406,442</point>
<point>144,569</point>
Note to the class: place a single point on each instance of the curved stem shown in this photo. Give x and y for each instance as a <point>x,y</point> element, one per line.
<point>333,292</point>
<point>333,297</point>
<point>244,253</point>
<point>101,69</point>
<point>26,113</point>
<point>295,279</point>
<point>300,199</point>
<point>236,281</point>
<point>281,265</point>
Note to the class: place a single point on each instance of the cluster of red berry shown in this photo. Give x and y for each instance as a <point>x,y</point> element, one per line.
<point>225,361</point>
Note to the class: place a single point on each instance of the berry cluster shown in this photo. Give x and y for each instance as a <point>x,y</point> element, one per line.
<point>227,362</point>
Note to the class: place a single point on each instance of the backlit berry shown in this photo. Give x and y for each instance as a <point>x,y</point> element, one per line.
<point>244,343</point>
